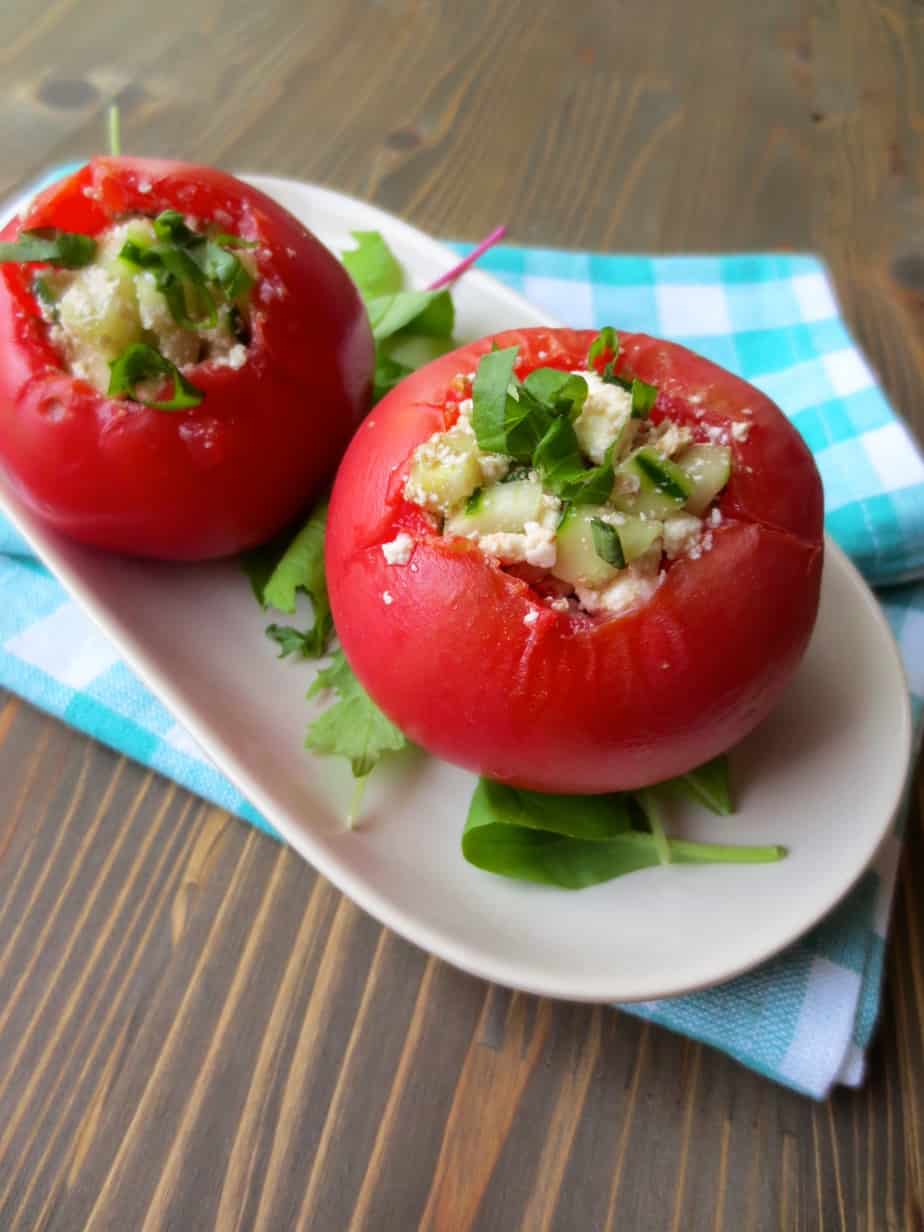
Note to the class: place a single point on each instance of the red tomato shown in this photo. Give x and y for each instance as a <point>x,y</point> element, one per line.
<point>577,703</point>
<point>229,473</point>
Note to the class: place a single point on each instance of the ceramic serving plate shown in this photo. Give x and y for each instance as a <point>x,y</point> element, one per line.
<point>823,775</point>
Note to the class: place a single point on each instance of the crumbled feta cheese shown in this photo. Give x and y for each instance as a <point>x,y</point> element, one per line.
<point>634,584</point>
<point>672,438</point>
<point>560,604</point>
<point>539,549</point>
<point>681,535</point>
<point>715,517</point>
<point>387,598</point>
<point>717,433</point>
<point>707,541</point>
<point>740,431</point>
<point>398,551</point>
<point>144,186</point>
<point>235,358</point>
<point>531,617</point>
<point>494,466</point>
<point>606,410</point>
<point>508,548</point>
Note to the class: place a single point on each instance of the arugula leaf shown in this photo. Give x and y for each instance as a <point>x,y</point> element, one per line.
<point>63,249</point>
<point>302,568</point>
<point>353,727</point>
<point>291,641</point>
<point>141,362</point>
<point>577,841</point>
<point>373,266</point>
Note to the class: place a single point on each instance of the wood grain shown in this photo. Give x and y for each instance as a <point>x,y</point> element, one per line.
<point>195,1030</point>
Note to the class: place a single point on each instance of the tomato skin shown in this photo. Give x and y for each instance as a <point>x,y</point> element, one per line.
<point>574,703</point>
<point>229,473</point>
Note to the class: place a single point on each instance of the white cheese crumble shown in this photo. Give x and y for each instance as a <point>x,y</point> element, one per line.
<point>672,438</point>
<point>606,411</point>
<point>387,598</point>
<point>531,617</point>
<point>681,534</point>
<point>715,517</point>
<point>740,431</point>
<point>635,584</point>
<point>560,604</point>
<point>494,466</point>
<point>398,551</point>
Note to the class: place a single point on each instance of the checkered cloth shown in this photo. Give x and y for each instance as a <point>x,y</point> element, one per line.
<point>806,1017</point>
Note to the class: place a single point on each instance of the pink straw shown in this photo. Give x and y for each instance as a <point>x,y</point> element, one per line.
<point>457,271</point>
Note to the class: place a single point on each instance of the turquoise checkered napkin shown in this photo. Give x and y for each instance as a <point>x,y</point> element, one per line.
<point>806,1017</point>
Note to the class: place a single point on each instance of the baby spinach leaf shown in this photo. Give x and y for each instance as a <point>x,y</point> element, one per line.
<point>373,266</point>
<point>564,392</point>
<point>428,312</point>
<point>578,841</point>
<point>708,785</point>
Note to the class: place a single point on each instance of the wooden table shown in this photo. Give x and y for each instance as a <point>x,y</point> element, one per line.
<point>195,1030</point>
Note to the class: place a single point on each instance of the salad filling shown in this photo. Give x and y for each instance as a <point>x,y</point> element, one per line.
<point>144,300</point>
<point>569,480</point>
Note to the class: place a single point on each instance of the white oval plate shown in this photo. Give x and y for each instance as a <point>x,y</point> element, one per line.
<point>823,775</point>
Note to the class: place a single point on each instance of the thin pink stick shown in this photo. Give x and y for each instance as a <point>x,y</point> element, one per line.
<point>457,271</point>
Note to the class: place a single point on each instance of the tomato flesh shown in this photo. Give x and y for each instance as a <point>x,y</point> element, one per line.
<point>217,478</point>
<point>569,702</point>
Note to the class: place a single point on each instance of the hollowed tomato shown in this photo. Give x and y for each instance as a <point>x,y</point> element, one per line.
<point>567,701</point>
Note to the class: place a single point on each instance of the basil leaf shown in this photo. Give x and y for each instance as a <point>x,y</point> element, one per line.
<point>607,543</point>
<point>577,841</point>
<point>489,397</point>
<point>302,568</point>
<point>644,397</point>
<point>46,297</point>
<point>63,249</point>
<point>558,458</point>
<point>561,391</point>
<point>353,727</point>
<point>607,341</point>
<point>373,266</point>
<point>141,362</point>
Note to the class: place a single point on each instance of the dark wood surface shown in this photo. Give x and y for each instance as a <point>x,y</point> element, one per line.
<point>195,1030</point>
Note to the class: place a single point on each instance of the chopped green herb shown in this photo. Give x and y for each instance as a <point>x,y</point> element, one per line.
<point>564,392</point>
<point>290,641</point>
<point>63,249</point>
<point>170,226</point>
<point>607,543</point>
<point>141,362</point>
<point>606,342</point>
<point>643,398</point>
<point>46,297</point>
<point>353,727</point>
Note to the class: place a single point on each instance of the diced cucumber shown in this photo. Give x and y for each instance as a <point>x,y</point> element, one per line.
<point>658,486</point>
<point>637,536</point>
<point>578,561</point>
<point>445,471</point>
<point>501,508</point>
<point>708,469</point>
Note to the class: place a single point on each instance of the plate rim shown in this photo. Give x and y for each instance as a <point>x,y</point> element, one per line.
<point>387,911</point>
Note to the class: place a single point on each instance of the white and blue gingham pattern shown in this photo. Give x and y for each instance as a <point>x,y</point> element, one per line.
<point>806,1017</point>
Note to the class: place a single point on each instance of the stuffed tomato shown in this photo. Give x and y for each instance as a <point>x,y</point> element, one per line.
<point>181,362</point>
<point>575,563</point>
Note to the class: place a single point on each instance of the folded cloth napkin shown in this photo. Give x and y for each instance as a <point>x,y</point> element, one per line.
<point>806,1017</point>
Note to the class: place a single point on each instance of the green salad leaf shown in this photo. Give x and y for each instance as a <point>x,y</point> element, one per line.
<point>579,841</point>
<point>300,568</point>
<point>373,266</point>
<point>708,785</point>
<point>353,727</point>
